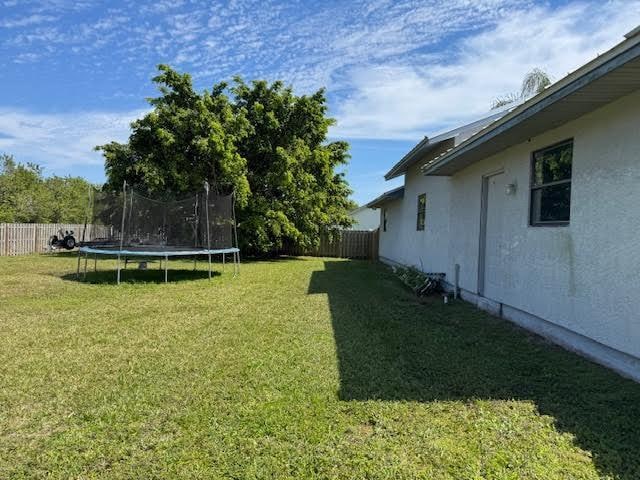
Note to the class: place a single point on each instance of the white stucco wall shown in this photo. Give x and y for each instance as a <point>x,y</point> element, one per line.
<point>390,241</point>
<point>585,276</point>
<point>427,249</point>
<point>365,219</point>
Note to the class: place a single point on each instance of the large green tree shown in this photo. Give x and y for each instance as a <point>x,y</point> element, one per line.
<point>27,197</point>
<point>259,139</point>
<point>186,139</point>
<point>297,194</point>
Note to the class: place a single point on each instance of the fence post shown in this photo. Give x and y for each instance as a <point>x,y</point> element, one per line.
<point>35,238</point>
<point>6,240</point>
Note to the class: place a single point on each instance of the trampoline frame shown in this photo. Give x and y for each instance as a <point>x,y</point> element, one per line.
<point>159,254</point>
<point>122,251</point>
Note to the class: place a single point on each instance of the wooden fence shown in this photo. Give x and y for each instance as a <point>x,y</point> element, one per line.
<point>25,238</point>
<point>346,244</point>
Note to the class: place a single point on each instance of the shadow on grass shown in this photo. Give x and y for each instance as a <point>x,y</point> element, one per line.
<point>391,347</point>
<point>61,254</point>
<point>217,259</point>
<point>271,259</point>
<point>139,276</point>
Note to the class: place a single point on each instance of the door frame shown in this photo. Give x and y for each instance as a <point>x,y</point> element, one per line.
<point>482,240</point>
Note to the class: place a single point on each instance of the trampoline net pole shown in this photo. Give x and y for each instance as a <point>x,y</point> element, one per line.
<point>125,224</point>
<point>196,216</point>
<point>236,268</point>
<point>86,258</point>
<point>124,210</point>
<point>206,192</point>
<point>88,212</point>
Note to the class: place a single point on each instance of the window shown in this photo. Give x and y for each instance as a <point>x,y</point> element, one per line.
<point>422,208</point>
<point>551,185</point>
<point>384,219</point>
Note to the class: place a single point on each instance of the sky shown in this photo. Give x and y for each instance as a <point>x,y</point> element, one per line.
<point>75,73</point>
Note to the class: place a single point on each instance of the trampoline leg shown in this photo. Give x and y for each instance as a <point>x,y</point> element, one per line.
<point>224,255</point>
<point>209,265</point>
<point>166,267</point>
<point>95,263</point>
<point>118,281</point>
<point>236,265</point>
<point>78,269</point>
<point>86,257</point>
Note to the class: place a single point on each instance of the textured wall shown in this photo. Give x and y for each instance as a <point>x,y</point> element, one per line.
<point>585,276</point>
<point>426,249</point>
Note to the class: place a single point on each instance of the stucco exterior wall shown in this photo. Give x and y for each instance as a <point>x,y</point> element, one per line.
<point>427,249</point>
<point>584,276</point>
<point>391,239</point>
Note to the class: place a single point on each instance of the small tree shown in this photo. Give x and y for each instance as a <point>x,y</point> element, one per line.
<point>23,197</point>
<point>27,197</point>
<point>69,197</point>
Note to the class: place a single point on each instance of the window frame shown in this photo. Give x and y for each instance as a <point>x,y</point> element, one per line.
<point>420,227</point>
<point>533,186</point>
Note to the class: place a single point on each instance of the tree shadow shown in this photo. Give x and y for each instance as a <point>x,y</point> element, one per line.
<point>109,277</point>
<point>391,347</point>
<point>272,259</point>
<point>60,254</point>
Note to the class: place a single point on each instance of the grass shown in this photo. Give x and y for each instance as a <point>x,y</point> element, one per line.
<point>304,368</point>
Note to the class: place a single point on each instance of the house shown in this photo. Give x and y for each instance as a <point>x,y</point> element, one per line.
<point>364,218</point>
<point>535,215</point>
<point>404,238</point>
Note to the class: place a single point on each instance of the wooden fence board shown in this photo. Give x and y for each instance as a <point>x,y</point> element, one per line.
<point>346,244</point>
<point>26,238</point>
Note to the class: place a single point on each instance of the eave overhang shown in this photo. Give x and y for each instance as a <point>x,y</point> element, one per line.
<point>386,197</point>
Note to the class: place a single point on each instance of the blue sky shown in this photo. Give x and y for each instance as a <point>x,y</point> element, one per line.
<point>75,73</point>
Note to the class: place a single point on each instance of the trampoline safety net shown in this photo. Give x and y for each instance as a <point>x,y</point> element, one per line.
<point>205,220</point>
<point>128,224</point>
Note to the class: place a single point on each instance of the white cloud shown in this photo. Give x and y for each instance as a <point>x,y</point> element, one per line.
<point>26,21</point>
<point>29,57</point>
<point>62,140</point>
<point>393,68</point>
<point>407,101</point>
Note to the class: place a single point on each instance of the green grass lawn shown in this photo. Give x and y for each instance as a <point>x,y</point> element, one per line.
<point>304,368</point>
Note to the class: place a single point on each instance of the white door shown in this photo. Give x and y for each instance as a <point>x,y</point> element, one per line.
<point>492,245</point>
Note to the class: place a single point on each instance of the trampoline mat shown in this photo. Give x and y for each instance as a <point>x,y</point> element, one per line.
<point>155,251</point>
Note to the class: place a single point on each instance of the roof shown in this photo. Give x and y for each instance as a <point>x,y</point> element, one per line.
<point>446,140</point>
<point>386,197</point>
<point>610,76</point>
<point>357,209</point>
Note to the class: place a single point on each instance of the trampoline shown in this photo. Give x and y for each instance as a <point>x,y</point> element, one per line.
<point>133,228</point>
